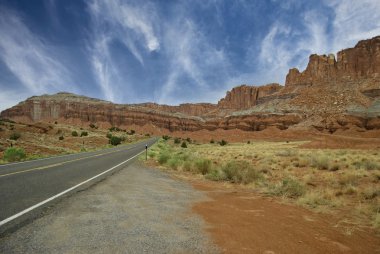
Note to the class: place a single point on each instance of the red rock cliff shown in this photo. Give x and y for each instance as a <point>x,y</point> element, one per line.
<point>353,64</point>
<point>243,97</point>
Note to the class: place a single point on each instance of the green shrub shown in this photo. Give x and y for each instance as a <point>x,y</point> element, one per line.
<point>290,188</point>
<point>212,141</point>
<point>15,136</point>
<point>240,172</point>
<point>61,138</point>
<point>188,140</point>
<point>177,141</point>
<point>115,140</point>
<point>174,162</point>
<point>166,137</point>
<point>248,142</point>
<point>203,166</point>
<point>163,157</point>
<point>74,134</point>
<point>223,142</point>
<point>84,133</point>
<point>216,175</point>
<point>184,145</point>
<point>187,166</point>
<point>113,128</point>
<point>14,154</point>
<point>109,135</point>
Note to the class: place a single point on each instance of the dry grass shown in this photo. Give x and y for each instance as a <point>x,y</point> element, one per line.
<point>324,180</point>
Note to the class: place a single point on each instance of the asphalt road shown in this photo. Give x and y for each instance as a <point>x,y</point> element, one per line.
<point>23,185</point>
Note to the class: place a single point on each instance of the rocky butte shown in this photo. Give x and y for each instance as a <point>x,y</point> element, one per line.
<point>330,94</point>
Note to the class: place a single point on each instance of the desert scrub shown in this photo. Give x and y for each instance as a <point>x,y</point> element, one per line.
<point>289,187</point>
<point>320,161</point>
<point>174,162</point>
<point>314,199</point>
<point>74,134</point>
<point>15,136</point>
<point>240,172</point>
<point>114,140</point>
<point>163,157</point>
<point>12,154</point>
<point>203,166</point>
<point>84,134</point>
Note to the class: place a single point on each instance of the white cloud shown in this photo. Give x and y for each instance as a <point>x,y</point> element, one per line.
<point>31,60</point>
<point>193,56</point>
<point>116,20</point>
<point>354,21</point>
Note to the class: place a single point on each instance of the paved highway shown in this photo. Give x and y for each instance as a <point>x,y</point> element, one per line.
<point>28,185</point>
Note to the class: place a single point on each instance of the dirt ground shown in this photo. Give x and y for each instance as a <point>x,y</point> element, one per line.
<point>245,222</point>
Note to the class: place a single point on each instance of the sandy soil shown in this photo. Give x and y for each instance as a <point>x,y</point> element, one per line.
<point>245,222</point>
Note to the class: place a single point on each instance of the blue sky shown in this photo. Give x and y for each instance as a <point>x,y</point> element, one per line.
<point>167,51</point>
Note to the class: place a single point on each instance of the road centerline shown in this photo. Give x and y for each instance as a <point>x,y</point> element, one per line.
<point>63,163</point>
<point>13,217</point>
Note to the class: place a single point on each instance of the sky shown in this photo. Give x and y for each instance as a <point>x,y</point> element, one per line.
<point>168,51</point>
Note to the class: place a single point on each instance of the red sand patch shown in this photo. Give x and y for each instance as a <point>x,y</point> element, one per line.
<point>244,222</point>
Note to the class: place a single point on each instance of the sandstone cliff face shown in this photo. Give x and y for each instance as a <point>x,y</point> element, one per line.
<point>70,108</point>
<point>191,109</point>
<point>353,64</point>
<point>243,97</point>
<point>329,95</point>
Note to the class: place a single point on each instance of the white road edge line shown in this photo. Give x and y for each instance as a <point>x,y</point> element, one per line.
<point>3,222</point>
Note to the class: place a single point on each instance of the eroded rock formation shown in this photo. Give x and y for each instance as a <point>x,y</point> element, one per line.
<point>353,64</point>
<point>243,97</point>
<point>329,95</point>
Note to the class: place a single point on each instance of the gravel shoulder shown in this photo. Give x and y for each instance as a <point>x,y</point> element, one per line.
<point>136,210</point>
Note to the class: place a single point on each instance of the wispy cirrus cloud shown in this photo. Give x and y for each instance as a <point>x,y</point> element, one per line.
<point>123,22</point>
<point>354,21</point>
<point>29,58</point>
<point>191,54</point>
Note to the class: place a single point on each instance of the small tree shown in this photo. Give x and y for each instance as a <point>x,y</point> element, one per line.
<point>14,154</point>
<point>223,142</point>
<point>15,136</point>
<point>177,141</point>
<point>115,141</point>
<point>166,137</point>
<point>212,141</point>
<point>84,133</point>
<point>61,138</point>
<point>184,145</point>
<point>74,134</point>
<point>188,140</point>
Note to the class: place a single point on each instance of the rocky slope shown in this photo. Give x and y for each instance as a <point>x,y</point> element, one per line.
<point>331,94</point>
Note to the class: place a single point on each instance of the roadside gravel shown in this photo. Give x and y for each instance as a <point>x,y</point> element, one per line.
<point>136,210</point>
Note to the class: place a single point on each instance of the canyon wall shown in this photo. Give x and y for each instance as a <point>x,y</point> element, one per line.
<point>352,64</point>
<point>243,97</point>
<point>331,94</point>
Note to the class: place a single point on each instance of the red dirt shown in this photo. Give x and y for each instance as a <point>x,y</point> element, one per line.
<point>245,222</point>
